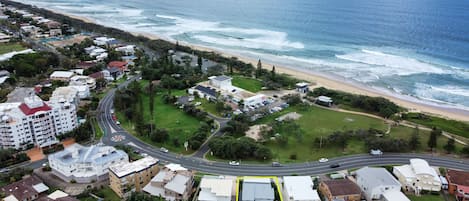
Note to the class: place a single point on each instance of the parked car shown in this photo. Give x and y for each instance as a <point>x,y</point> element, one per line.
<point>144,154</point>
<point>323,160</point>
<point>335,165</point>
<point>276,164</point>
<point>162,149</point>
<point>376,152</point>
<point>235,163</point>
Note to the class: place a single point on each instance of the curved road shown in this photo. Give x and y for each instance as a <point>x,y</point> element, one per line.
<point>111,129</point>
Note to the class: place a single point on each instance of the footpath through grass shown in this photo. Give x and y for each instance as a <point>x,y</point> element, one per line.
<point>451,126</point>
<point>179,124</point>
<point>246,83</point>
<point>10,47</point>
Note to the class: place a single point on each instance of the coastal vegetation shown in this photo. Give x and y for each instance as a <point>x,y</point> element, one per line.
<point>451,126</point>
<point>32,64</point>
<point>375,105</point>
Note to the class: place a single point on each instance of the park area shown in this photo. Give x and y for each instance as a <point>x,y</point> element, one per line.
<point>179,124</point>
<point>246,83</point>
<point>316,122</point>
<point>10,47</point>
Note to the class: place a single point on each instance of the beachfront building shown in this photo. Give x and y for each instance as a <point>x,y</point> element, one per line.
<point>302,87</point>
<point>80,80</point>
<point>340,189</point>
<point>257,189</point>
<point>222,82</point>
<point>255,101</point>
<point>173,182</point>
<point>34,121</point>
<point>126,50</point>
<point>203,92</point>
<point>299,188</point>
<point>417,176</point>
<point>105,41</point>
<point>217,188</point>
<point>132,177</point>
<point>324,100</point>
<point>375,182</point>
<point>86,164</point>
<point>458,184</point>
<point>63,76</point>
<point>29,188</point>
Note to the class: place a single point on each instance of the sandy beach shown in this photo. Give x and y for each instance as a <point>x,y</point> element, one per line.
<point>325,81</point>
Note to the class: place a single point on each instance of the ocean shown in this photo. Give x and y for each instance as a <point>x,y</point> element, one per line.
<point>417,49</point>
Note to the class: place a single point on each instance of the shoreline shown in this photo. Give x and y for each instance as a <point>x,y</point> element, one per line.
<point>320,80</point>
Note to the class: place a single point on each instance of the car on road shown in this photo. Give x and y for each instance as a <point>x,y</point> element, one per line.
<point>4,170</point>
<point>276,164</point>
<point>144,154</point>
<point>235,163</point>
<point>118,122</point>
<point>323,160</point>
<point>162,149</point>
<point>335,165</point>
<point>376,152</point>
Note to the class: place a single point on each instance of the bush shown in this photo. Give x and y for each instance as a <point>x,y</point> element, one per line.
<point>73,181</point>
<point>293,156</point>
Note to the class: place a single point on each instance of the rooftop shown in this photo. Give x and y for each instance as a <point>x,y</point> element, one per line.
<point>342,187</point>
<point>206,90</point>
<point>136,166</point>
<point>219,186</point>
<point>257,189</point>
<point>300,188</point>
<point>62,74</point>
<point>23,189</point>
<point>178,184</point>
<point>19,93</point>
<point>96,154</point>
<point>458,177</point>
<point>220,78</point>
<point>377,176</point>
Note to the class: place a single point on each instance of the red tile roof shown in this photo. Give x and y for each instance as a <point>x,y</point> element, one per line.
<point>117,64</point>
<point>459,178</point>
<point>29,111</point>
<point>96,75</point>
<point>342,187</point>
<point>22,189</point>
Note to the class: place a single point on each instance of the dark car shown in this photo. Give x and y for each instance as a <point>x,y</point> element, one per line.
<point>335,165</point>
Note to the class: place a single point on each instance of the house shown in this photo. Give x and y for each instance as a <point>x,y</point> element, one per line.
<point>83,91</point>
<point>203,92</point>
<point>122,65</point>
<point>340,189</point>
<point>105,41</point>
<point>458,184</point>
<point>417,176</point>
<point>299,188</point>
<point>126,50</point>
<point>4,38</point>
<point>112,74</point>
<point>58,195</point>
<point>221,82</point>
<point>217,188</point>
<point>80,80</point>
<point>375,182</point>
<point>4,75</point>
<point>97,75</point>
<point>257,189</point>
<point>256,100</point>
<point>324,100</point>
<point>85,164</point>
<point>55,32</point>
<point>302,87</point>
<point>30,188</point>
<point>132,177</point>
<point>61,76</point>
<point>69,94</point>
<point>173,182</point>
<point>86,64</point>
<point>394,196</point>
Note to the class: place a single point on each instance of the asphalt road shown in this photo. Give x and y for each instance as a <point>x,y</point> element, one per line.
<point>111,129</point>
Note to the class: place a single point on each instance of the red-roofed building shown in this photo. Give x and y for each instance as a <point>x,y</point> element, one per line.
<point>122,65</point>
<point>97,75</point>
<point>86,64</point>
<point>29,188</point>
<point>458,184</point>
<point>30,111</point>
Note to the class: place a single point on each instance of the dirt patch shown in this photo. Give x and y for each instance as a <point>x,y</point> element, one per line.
<point>75,39</point>
<point>255,133</point>
<point>35,154</point>
<point>289,116</point>
<point>67,142</point>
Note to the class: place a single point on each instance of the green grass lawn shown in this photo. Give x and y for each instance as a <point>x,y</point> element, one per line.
<point>179,124</point>
<point>107,193</point>
<point>427,198</point>
<point>249,84</point>
<point>99,133</point>
<point>319,122</point>
<point>207,106</point>
<point>10,47</point>
<point>452,126</point>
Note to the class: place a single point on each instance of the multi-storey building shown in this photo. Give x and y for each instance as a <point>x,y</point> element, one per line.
<point>132,177</point>
<point>34,121</point>
<point>173,183</point>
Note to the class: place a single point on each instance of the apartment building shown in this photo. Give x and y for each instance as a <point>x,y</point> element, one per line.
<point>173,183</point>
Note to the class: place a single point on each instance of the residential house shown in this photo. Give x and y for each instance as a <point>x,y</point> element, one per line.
<point>4,75</point>
<point>4,38</point>
<point>324,100</point>
<point>417,176</point>
<point>127,178</point>
<point>58,195</point>
<point>173,182</point>
<point>83,91</point>
<point>86,64</point>
<point>340,189</point>
<point>86,164</point>
<point>302,87</point>
<point>55,32</point>
<point>257,189</point>
<point>80,80</point>
<point>217,188</point>
<point>299,188</point>
<point>458,184</point>
<point>112,74</point>
<point>63,76</point>
<point>69,94</point>
<point>122,65</point>
<point>30,188</point>
<point>126,50</point>
<point>375,182</point>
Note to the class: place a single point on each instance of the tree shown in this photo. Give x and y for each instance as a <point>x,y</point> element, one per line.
<point>465,150</point>
<point>199,63</point>
<point>259,69</point>
<point>450,147</point>
<point>273,73</point>
<point>432,140</point>
<point>414,141</point>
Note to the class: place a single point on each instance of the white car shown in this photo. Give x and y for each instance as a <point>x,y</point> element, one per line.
<point>144,154</point>
<point>118,122</point>
<point>323,160</point>
<point>235,163</point>
<point>162,149</point>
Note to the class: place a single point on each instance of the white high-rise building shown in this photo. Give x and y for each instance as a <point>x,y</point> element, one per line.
<point>34,121</point>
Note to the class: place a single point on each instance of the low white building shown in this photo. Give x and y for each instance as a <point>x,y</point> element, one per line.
<point>256,100</point>
<point>222,82</point>
<point>417,176</point>
<point>102,41</point>
<point>86,164</point>
<point>375,182</point>
<point>83,91</point>
<point>68,94</point>
<point>299,188</point>
<point>217,188</point>
<point>126,50</point>
<point>62,75</point>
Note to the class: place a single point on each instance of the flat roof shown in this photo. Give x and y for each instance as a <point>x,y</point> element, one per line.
<point>136,166</point>
<point>66,74</point>
<point>300,188</point>
<point>220,186</point>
